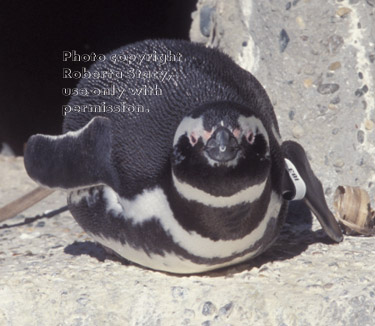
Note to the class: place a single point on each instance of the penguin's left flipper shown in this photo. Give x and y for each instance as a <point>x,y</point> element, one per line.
<point>313,194</point>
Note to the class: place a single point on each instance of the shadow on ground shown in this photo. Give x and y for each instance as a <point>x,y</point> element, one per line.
<point>94,250</point>
<point>295,237</point>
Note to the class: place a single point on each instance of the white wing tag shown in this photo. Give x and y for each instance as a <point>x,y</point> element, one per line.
<point>298,182</point>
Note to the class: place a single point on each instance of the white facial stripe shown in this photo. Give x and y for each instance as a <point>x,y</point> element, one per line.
<point>189,125</point>
<point>190,241</point>
<point>252,124</point>
<point>244,196</point>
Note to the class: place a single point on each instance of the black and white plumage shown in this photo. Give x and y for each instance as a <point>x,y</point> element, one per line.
<point>198,182</point>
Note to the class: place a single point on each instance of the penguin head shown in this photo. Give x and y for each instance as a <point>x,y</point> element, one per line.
<point>221,148</point>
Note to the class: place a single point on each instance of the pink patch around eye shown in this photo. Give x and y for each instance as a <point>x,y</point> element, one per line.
<point>193,138</point>
<point>207,134</point>
<point>250,137</point>
<point>236,132</point>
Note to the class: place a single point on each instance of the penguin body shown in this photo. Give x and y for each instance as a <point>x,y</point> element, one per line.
<point>186,177</point>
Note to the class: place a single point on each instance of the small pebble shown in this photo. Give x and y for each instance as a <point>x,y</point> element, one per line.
<point>325,89</point>
<point>297,132</point>
<point>225,310</point>
<point>327,286</point>
<point>339,163</point>
<point>335,100</point>
<point>291,114</point>
<point>369,125</point>
<point>335,131</point>
<point>283,40</point>
<point>186,322</point>
<point>179,292</point>
<point>205,20</point>
<point>308,82</point>
<point>322,109</point>
<point>334,43</point>
<point>359,92</point>
<point>83,301</point>
<point>361,136</point>
<point>334,65</point>
<point>208,308</point>
<point>361,162</point>
<point>300,22</point>
<point>343,12</point>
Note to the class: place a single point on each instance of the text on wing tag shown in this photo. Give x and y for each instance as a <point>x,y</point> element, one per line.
<point>298,182</point>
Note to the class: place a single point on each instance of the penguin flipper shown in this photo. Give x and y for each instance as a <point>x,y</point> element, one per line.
<point>76,159</point>
<point>314,196</point>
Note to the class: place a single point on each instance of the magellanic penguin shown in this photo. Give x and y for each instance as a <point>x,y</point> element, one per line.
<point>171,157</point>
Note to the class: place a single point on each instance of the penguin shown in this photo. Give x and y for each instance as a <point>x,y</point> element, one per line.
<point>181,168</point>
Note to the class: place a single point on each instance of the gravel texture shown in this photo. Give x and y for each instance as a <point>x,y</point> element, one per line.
<point>316,60</point>
<point>52,273</point>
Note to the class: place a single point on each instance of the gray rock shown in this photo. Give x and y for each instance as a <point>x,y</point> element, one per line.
<point>283,40</point>
<point>208,308</point>
<point>205,21</point>
<point>325,89</point>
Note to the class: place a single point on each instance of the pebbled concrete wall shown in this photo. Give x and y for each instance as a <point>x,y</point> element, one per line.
<point>316,60</point>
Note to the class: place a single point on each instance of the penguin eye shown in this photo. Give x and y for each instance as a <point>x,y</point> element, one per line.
<point>193,139</point>
<point>250,138</point>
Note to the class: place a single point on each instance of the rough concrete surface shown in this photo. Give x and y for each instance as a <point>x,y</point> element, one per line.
<point>316,60</point>
<point>52,273</point>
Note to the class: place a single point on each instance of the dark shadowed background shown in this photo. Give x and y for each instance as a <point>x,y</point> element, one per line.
<point>33,35</point>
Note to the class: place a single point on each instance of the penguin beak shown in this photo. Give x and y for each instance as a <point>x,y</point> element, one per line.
<point>222,146</point>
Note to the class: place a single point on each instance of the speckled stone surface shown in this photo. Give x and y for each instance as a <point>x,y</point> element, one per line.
<point>52,273</point>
